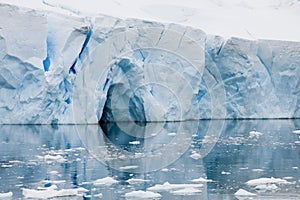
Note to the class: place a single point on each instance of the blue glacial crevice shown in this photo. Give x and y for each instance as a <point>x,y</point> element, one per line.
<point>46,61</point>
<point>84,50</point>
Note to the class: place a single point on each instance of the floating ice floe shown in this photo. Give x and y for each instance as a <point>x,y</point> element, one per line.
<point>6,195</point>
<point>265,187</point>
<point>264,181</point>
<point>133,181</point>
<point>142,195</point>
<point>257,170</point>
<point>186,191</point>
<point>129,167</point>
<point>296,131</point>
<point>255,134</point>
<point>203,180</point>
<point>172,134</point>
<point>195,156</point>
<point>99,195</point>
<point>107,181</point>
<point>134,142</point>
<point>173,187</point>
<point>54,158</point>
<point>225,173</point>
<point>242,192</point>
<point>52,192</point>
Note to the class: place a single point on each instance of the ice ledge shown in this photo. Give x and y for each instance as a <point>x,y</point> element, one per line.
<point>67,69</point>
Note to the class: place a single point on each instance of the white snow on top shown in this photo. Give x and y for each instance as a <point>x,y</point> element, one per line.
<point>296,131</point>
<point>142,195</point>
<point>203,180</point>
<point>256,19</point>
<point>171,187</point>
<point>263,181</point>
<point>52,193</point>
<point>186,191</point>
<point>255,134</point>
<point>242,192</point>
<point>136,181</point>
<point>6,195</point>
<point>107,181</point>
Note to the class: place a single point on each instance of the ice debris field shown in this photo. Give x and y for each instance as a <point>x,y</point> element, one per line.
<point>78,63</point>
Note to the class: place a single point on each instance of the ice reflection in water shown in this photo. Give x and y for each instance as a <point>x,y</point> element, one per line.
<point>141,157</point>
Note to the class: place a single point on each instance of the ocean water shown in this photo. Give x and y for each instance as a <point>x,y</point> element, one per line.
<point>206,159</point>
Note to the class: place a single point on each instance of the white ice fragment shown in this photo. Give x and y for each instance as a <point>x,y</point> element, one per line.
<point>257,170</point>
<point>170,187</point>
<point>263,181</point>
<point>6,195</point>
<point>6,166</point>
<point>142,195</point>
<point>225,173</point>
<point>195,156</point>
<point>100,195</point>
<point>186,191</point>
<point>57,158</point>
<point>54,172</point>
<point>136,181</point>
<point>171,134</point>
<point>265,187</point>
<point>203,180</point>
<point>129,167</point>
<point>107,181</point>
<point>242,192</point>
<point>54,181</point>
<point>135,142</point>
<point>296,131</point>
<point>52,193</point>
<point>255,134</point>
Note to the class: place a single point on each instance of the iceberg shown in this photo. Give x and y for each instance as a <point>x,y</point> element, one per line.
<point>58,68</point>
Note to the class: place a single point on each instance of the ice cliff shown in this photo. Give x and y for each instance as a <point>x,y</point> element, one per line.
<point>56,68</point>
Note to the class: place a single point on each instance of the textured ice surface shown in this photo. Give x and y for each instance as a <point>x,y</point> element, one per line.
<point>61,69</point>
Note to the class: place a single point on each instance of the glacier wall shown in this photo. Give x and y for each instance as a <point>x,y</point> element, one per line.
<point>70,69</point>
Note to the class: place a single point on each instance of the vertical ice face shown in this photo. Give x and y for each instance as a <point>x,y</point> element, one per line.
<point>37,52</point>
<point>140,71</point>
<point>261,78</point>
<point>61,69</point>
<point>23,47</point>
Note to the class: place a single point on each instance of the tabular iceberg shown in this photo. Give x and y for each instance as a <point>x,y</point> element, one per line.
<point>64,69</point>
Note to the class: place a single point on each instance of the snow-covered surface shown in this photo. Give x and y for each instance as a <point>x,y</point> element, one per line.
<point>107,181</point>
<point>296,131</point>
<point>133,181</point>
<point>203,180</point>
<point>242,192</point>
<point>173,187</point>
<point>135,195</point>
<point>74,65</point>
<point>263,181</point>
<point>255,134</point>
<point>6,195</point>
<point>186,191</point>
<point>267,184</point>
<point>256,19</point>
<point>52,192</point>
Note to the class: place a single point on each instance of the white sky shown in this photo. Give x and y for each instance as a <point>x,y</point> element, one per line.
<point>252,19</point>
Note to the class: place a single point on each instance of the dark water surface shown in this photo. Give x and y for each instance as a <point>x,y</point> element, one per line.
<point>56,159</point>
